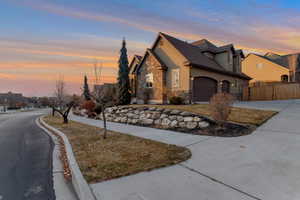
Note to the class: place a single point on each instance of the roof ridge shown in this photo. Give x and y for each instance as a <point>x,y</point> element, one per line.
<point>212,63</point>
<point>271,60</point>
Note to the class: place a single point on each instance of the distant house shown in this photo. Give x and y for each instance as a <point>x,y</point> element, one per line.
<point>105,86</point>
<point>195,71</point>
<point>12,99</point>
<point>272,67</point>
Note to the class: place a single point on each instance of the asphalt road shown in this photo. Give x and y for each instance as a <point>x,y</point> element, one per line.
<point>25,159</point>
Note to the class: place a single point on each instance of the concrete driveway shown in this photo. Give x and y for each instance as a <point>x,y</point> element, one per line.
<point>263,165</point>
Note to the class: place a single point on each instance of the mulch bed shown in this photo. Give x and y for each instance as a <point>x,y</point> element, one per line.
<point>229,130</point>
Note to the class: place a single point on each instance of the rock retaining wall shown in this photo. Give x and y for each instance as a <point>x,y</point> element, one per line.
<point>156,117</point>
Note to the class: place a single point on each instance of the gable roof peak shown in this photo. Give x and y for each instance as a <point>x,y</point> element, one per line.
<point>138,57</point>
<point>204,43</point>
<point>271,53</point>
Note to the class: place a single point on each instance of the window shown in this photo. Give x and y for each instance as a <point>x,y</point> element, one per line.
<point>259,66</point>
<point>284,78</point>
<point>175,78</point>
<point>230,58</point>
<point>149,80</point>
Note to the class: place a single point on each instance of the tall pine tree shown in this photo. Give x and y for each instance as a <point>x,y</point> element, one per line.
<point>86,90</point>
<point>123,77</point>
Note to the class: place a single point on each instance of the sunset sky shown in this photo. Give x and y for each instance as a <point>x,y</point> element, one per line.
<point>42,39</point>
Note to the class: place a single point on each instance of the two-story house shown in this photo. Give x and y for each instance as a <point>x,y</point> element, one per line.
<point>194,71</point>
<point>272,67</point>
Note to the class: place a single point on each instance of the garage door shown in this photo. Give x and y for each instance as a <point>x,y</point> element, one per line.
<point>204,88</point>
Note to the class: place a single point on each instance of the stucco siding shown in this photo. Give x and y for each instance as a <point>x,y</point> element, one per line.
<point>223,60</point>
<point>173,60</point>
<point>262,70</point>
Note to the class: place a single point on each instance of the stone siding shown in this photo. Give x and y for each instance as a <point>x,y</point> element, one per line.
<point>157,93</point>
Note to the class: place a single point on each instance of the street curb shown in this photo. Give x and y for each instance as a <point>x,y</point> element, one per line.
<point>80,185</point>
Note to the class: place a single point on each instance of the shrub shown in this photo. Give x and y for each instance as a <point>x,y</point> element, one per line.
<point>176,100</point>
<point>220,107</point>
<point>88,105</point>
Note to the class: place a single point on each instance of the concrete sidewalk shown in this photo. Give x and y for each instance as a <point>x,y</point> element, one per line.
<point>263,165</point>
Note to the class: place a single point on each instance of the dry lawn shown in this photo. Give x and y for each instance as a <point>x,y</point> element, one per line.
<point>238,115</point>
<point>119,155</point>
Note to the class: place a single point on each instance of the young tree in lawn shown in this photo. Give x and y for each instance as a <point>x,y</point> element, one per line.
<point>104,96</point>
<point>123,77</point>
<point>86,90</point>
<point>63,103</point>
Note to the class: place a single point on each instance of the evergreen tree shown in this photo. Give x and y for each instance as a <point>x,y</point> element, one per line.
<point>123,77</point>
<point>86,90</point>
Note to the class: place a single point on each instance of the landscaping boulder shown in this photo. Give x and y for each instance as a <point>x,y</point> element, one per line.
<point>191,125</point>
<point>184,113</point>
<point>147,121</point>
<point>188,119</point>
<point>175,112</point>
<point>203,124</point>
<point>165,122</point>
<point>174,124</point>
<point>197,119</point>
<point>163,116</point>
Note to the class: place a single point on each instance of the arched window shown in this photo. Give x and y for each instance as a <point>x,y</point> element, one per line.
<point>284,78</point>
<point>226,86</point>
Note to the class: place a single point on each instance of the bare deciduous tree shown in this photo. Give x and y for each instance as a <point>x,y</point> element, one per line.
<point>63,103</point>
<point>104,96</point>
<point>220,107</point>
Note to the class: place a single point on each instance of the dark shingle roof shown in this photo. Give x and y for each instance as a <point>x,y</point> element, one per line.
<point>195,57</point>
<point>205,45</point>
<point>152,53</point>
<point>132,67</point>
<point>280,60</point>
<point>138,57</point>
<point>192,53</point>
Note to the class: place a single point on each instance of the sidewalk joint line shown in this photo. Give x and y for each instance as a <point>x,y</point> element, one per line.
<point>212,137</point>
<point>277,131</point>
<point>220,182</point>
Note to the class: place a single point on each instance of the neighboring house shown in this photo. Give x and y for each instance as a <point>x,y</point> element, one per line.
<point>195,71</point>
<point>272,67</point>
<point>105,86</point>
<point>12,99</point>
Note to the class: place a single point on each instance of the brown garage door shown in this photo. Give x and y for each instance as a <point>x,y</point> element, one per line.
<point>204,88</point>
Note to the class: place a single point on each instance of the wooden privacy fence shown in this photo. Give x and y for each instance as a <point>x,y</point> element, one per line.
<point>272,92</point>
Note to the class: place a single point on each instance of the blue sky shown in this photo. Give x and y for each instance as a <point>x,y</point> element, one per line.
<point>42,39</point>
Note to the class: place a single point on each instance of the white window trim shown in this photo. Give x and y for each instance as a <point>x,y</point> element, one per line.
<point>149,80</point>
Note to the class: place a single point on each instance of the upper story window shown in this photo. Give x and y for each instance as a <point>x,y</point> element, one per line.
<point>237,64</point>
<point>175,78</point>
<point>259,65</point>
<point>149,80</point>
<point>230,58</point>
